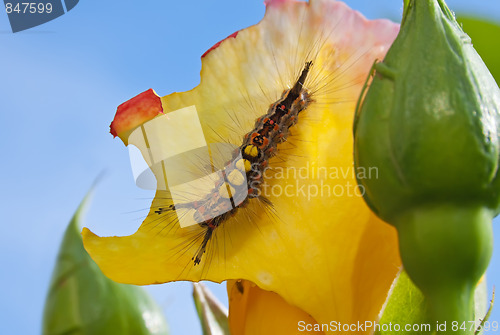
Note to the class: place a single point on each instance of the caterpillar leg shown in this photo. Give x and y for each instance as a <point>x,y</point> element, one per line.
<point>203,247</point>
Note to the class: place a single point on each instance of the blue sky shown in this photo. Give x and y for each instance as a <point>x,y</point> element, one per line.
<point>60,84</point>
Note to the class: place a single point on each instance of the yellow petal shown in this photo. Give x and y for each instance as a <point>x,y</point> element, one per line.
<point>253,310</point>
<point>325,253</point>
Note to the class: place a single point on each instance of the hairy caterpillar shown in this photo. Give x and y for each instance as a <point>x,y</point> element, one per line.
<point>243,173</point>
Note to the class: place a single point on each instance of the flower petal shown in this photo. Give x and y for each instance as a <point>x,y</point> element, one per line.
<point>315,250</point>
<point>135,112</point>
<point>256,311</point>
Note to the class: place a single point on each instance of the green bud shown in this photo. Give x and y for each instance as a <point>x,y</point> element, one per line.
<point>429,120</point>
<point>429,124</point>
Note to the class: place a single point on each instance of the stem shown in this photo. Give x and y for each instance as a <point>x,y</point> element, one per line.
<point>446,249</point>
<point>453,306</point>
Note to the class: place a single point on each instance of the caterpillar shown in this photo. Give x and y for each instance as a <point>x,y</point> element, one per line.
<point>243,173</point>
<point>236,191</point>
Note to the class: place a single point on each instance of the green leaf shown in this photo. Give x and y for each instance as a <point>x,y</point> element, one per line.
<point>406,306</point>
<point>481,33</point>
<point>82,300</point>
<point>212,314</point>
<point>481,302</point>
